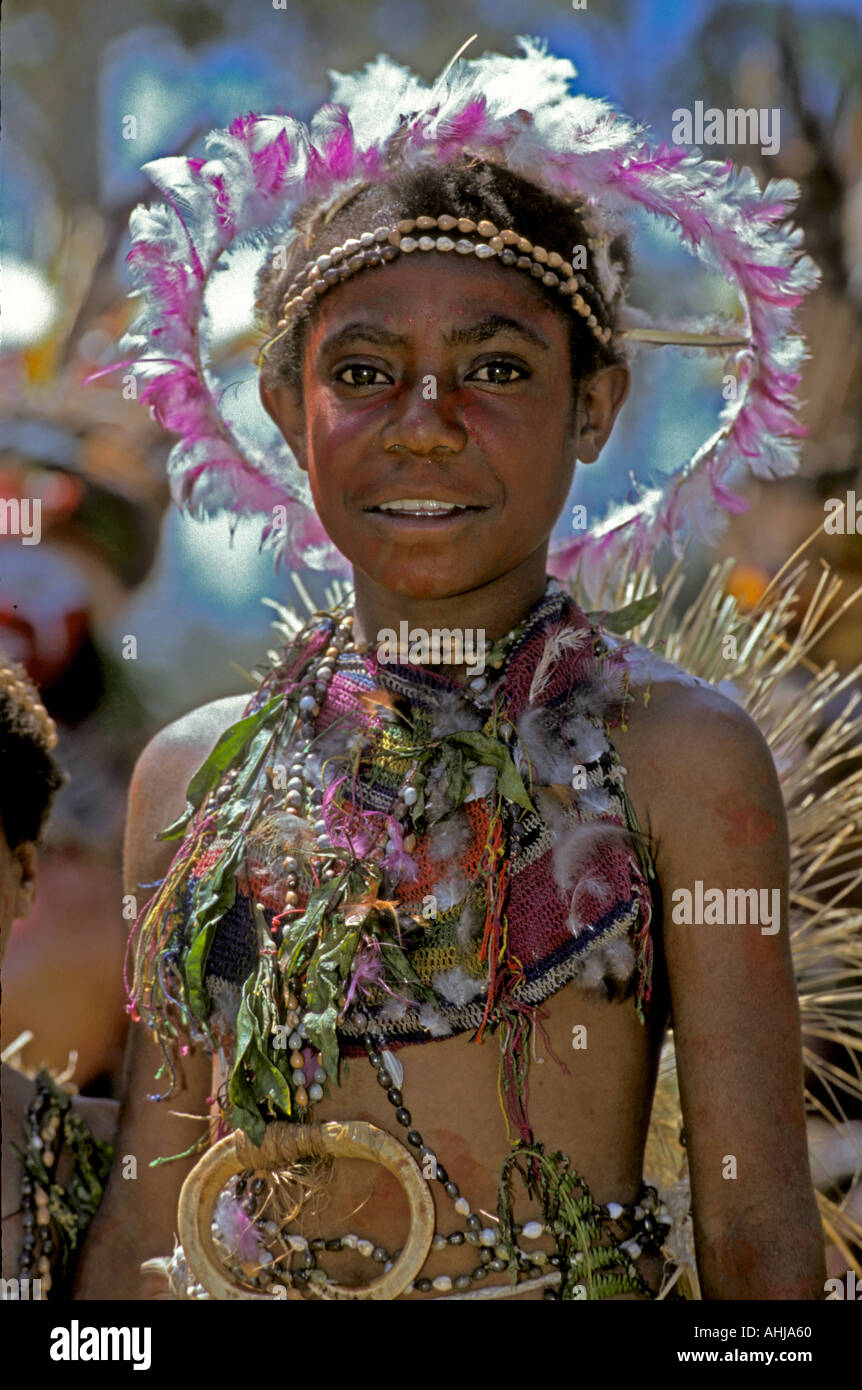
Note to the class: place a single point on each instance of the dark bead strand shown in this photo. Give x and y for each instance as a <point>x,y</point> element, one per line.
<point>45,1124</point>
<point>489,1262</point>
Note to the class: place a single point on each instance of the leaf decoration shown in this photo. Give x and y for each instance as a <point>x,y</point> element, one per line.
<point>244,1113</point>
<point>457,776</point>
<point>240,1091</point>
<point>177,828</point>
<point>269,1079</point>
<point>327,974</point>
<point>319,1028</point>
<point>624,619</point>
<point>257,1078</point>
<point>229,747</point>
<point>303,928</point>
<point>491,751</point>
<point>403,971</point>
<point>215,895</point>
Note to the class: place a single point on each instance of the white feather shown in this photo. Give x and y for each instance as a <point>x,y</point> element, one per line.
<point>596,801</point>
<point>598,891</point>
<point>433,1022</point>
<point>436,792</point>
<point>451,717</point>
<point>586,740</point>
<point>394,1010</point>
<point>482,782</point>
<point>449,838</point>
<point>451,889</point>
<point>457,986</point>
<point>612,958</point>
<point>539,732</point>
<point>469,925</point>
<point>569,639</point>
<point>578,849</point>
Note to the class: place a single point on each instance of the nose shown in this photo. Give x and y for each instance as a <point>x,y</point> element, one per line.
<point>424,421</point>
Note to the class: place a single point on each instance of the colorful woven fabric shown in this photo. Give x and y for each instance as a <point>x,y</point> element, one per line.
<point>571,900</point>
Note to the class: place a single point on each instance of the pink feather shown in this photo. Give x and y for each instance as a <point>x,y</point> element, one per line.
<point>716,209</point>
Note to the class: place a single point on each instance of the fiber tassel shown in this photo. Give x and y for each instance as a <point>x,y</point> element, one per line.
<point>493,947</point>
<point>514,1070</point>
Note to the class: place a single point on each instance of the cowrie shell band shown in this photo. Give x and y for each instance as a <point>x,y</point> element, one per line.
<point>386,243</point>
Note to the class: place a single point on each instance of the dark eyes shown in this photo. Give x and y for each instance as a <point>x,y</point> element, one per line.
<point>500,373</point>
<point>362,375</point>
<point>496,373</point>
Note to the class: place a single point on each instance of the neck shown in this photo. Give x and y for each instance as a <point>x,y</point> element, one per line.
<point>492,608</point>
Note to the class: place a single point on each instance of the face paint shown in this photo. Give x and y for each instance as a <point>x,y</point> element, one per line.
<point>749,825</point>
<point>490,439</point>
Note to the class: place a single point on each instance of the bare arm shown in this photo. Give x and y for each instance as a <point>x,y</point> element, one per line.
<point>718,818</point>
<point>137,1218</point>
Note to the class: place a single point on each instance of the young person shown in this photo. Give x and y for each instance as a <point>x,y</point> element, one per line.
<point>56,1149</point>
<point>459,875</point>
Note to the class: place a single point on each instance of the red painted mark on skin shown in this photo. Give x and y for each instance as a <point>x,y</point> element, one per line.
<point>458,1156</point>
<point>750,825</point>
<point>471,419</point>
<point>737,1255</point>
<point>754,950</point>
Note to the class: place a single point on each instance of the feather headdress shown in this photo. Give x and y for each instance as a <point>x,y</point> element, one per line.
<point>518,112</point>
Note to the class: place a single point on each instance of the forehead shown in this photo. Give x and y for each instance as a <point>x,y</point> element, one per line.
<point>439,293</point>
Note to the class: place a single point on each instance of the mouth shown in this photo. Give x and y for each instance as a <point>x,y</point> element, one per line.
<point>427,511</point>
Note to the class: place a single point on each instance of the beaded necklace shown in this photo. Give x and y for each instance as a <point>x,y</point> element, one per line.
<point>55,1217</point>
<point>334,929</point>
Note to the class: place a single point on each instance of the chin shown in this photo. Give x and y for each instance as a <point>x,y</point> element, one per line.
<point>415,579</point>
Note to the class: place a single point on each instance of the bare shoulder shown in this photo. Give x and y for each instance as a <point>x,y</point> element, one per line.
<point>688,747</point>
<point>193,734</point>
<point>162,773</point>
<point>680,712</point>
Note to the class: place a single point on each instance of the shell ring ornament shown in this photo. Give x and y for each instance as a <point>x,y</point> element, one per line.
<point>284,1144</point>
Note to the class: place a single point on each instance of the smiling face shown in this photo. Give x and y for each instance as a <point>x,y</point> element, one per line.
<point>442,382</point>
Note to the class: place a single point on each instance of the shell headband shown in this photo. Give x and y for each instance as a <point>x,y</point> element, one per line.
<point>385,243</point>
<point>17,687</point>
<point>520,113</point>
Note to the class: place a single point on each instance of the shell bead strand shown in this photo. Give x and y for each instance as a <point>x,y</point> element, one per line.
<point>385,243</point>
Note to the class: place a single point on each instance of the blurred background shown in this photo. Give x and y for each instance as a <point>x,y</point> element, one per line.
<point>116,560</point>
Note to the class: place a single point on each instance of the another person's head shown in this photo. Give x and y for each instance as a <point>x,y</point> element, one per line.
<point>29,777</point>
<point>445,376</point>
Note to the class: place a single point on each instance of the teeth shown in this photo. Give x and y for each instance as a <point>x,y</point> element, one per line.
<point>418,504</point>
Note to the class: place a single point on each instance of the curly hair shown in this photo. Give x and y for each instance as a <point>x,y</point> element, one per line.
<point>478,190</point>
<point>29,775</point>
